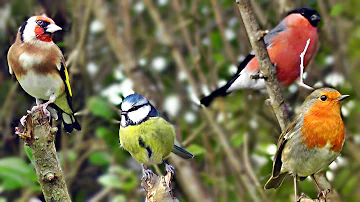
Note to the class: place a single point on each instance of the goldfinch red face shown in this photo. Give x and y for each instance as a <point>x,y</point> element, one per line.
<point>38,29</point>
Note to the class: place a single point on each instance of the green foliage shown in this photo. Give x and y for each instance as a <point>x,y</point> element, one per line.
<point>99,107</point>
<point>15,173</point>
<point>196,149</point>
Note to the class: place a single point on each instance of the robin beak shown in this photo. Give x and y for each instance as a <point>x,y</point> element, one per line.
<point>52,28</point>
<point>342,97</point>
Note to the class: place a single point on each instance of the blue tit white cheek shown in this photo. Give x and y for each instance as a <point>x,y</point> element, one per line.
<point>125,106</point>
<point>140,114</point>
<point>123,121</point>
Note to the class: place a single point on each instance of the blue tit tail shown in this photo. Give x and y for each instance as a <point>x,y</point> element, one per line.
<point>182,152</point>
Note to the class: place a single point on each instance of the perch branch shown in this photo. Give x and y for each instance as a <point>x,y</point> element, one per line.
<point>158,189</point>
<point>266,67</point>
<point>39,137</point>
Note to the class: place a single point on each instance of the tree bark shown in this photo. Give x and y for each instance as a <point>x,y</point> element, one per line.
<point>39,137</point>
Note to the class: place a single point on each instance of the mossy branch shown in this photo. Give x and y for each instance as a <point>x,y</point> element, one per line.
<point>39,137</point>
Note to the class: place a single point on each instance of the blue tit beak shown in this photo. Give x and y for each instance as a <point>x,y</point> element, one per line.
<point>123,112</point>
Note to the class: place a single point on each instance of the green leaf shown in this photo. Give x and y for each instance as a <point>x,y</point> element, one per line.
<point>29,154</point>
<point>16,173</point>
<point>196,149</point>
<point>237,140</point>
<point>119,198</point>
<point>99,107</point>
<point>110,181</point>
<point>337,9</point>
<point>216,41</point>
<point>99,158</point>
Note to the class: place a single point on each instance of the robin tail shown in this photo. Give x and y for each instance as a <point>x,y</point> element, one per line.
<point>275,182</point>
<point>182,152</point>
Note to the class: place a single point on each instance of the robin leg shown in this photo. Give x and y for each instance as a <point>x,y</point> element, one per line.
<point>295,186</point>
<point>322,193</point>
<point>146,172</point>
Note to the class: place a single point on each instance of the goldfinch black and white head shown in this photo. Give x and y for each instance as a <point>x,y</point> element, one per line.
<point>136,109</point>
<point>38,29</point>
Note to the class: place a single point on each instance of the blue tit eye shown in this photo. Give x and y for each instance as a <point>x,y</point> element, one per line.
<point>323,98</point>
<point>136,107</point>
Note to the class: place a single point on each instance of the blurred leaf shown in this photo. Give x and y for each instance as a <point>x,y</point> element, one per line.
<point>337,9</point>
<point>196,149</point>
<point>99,158</point>
<point>119,198</point>
<point>216,41</point>
<point>237,140</point>
<point>110,181</point>
<point>219,57</point>
<point>15,173</point>
<point>101,108</point>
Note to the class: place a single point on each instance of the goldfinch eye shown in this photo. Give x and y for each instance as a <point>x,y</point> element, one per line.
<point>323,98</point>
<point>40,23</point>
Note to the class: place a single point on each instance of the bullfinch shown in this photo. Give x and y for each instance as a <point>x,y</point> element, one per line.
<point>284,44</point>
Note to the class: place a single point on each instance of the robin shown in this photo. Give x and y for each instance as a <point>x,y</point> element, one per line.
<point>312,141</point>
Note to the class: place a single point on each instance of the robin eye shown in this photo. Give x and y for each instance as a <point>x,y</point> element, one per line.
<point>323,98</point>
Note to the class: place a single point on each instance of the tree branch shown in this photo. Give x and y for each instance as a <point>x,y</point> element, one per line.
<point>158,189</point>
<point>266,67</point>
<point>39,136</point>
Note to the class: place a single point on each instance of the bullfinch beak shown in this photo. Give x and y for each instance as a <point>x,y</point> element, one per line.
<point>53,28</point>
<point>342,97</point>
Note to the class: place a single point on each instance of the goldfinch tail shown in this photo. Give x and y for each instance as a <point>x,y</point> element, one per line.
<point>70,122</point>
<point>182,152</point>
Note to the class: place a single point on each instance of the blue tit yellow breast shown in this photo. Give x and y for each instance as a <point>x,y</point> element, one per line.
<point>149,142</point>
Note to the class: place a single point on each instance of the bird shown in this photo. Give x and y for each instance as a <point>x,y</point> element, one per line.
<point>146,135</point>
<point>39,67</point>
<point>312,140</point>
<point>284,44</point>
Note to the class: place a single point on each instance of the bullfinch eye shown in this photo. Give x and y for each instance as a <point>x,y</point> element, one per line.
<point>323,98</point>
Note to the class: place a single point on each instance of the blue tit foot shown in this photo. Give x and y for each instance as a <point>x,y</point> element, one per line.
<point>169,168</point>
<point>147,173</point>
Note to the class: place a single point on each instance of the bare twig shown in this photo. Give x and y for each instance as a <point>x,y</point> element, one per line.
<point>39,136</point>
<point>266,67</point>
<point>301,79</point>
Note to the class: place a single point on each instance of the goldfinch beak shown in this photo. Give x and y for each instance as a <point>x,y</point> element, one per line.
<point>53,28</point>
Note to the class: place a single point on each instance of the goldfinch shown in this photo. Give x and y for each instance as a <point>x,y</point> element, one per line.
<point>39,67</point>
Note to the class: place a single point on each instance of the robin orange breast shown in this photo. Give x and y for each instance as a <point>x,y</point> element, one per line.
<point>312,141</point>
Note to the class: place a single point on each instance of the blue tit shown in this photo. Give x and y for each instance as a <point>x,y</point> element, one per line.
<point>147,136</point>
